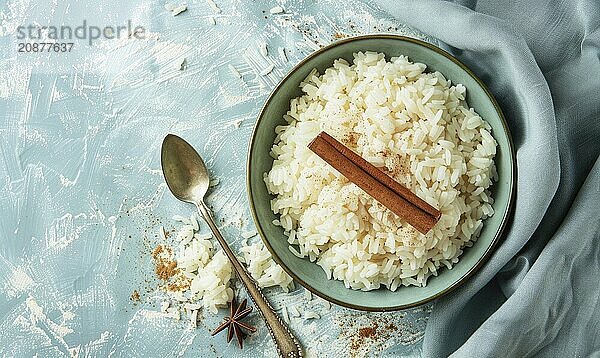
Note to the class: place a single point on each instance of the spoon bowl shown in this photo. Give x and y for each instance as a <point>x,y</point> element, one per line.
<point>184,170</point>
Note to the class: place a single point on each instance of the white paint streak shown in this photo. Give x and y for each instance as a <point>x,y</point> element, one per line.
<point>61,232</point>
<point>13,15</point>
<point>53,331</point>
<point>18,281</point>
<point>151,202</point>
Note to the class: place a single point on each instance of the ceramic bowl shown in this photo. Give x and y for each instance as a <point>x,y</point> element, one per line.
<point>309,274</point>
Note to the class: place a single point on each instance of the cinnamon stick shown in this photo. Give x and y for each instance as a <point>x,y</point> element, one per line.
<point>394,196</point>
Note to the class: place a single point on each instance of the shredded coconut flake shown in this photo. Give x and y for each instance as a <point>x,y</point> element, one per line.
<point>213,6</point>
<point>249,234</point>
<point>276,10</point>
<point>311,315</point>
<point>263,49</point>
<point>164,306</point>
<point>284,314</point>
<point>237,123</point>
<point>179,9</point>
<point>308,295</point>
<point>182,219</point>
<point>282,54</point>
<point>194,222</point>
<point>267,70</point>
<point>194,319</point>
<point>235,72</point>
<point>180,64</point>
<point>293,310</point>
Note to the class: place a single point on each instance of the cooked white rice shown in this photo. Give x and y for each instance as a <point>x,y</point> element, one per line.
<point>263,269</point>
<point>418,128</point>
<point>208,272</point>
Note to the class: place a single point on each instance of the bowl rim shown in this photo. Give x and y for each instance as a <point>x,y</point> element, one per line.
<point>491,247</point>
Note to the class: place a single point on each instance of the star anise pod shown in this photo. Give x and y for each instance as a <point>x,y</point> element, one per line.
<point>234,324</point>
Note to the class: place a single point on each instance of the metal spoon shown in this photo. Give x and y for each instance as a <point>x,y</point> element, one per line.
<point>187,178</point>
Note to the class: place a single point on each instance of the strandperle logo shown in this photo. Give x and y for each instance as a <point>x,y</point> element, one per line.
<point>66,33</point>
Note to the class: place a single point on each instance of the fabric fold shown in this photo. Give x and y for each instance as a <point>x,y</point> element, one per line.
<point>539,61</point>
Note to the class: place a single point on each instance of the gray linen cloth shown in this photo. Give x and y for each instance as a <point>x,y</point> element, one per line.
<point>538,295</point>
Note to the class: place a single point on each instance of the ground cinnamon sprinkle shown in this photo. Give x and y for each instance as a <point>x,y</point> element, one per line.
<point>164,267</point>
<point>166,270</point>
<point>178,286</point>
<point>350,140</point>
<point>363,335</point>
<point>156,252</point>
<point>135,296</point>
<point>368,332</point>
<point>368,338</point>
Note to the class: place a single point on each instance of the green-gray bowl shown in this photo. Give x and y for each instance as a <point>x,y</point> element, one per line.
<point>309,274</point>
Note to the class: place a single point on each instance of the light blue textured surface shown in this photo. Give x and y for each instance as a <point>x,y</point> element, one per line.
<point>82,197</point>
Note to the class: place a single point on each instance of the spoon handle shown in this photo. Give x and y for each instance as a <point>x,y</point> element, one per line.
<point>287,345</point>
